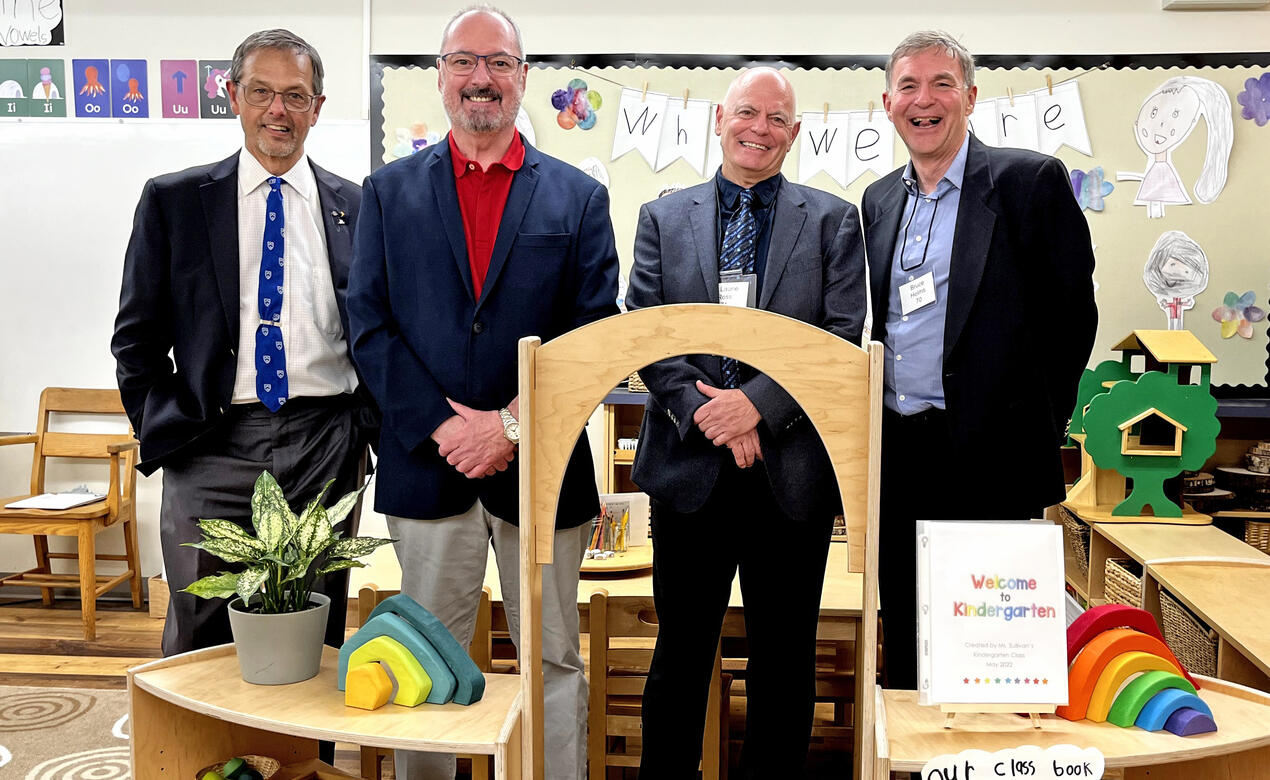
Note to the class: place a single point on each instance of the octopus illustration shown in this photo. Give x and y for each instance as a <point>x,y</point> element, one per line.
<point>1166,119</point>
<point>92,86</point>
<point>134,93</point>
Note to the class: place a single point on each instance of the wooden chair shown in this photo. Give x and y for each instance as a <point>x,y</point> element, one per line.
<point>621,629</point>
<point>481,649</point>
<point>83,522</point>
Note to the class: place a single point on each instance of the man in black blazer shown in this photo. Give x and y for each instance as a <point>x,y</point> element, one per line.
<point>738,476</point>
<point>462,250</point>
<point>194,287</point>
<point>980,267</point>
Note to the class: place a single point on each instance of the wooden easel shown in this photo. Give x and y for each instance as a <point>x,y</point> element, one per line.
<point>1034,711</point>
<point>837,384</point>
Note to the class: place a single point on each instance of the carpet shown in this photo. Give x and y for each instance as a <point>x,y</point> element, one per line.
<point>63,734</point>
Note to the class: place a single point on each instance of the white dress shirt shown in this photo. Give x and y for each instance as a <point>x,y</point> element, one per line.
<point>313,338</point>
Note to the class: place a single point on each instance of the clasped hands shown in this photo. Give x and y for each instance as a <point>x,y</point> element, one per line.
<point>730,419</point>
<point>472,441</point>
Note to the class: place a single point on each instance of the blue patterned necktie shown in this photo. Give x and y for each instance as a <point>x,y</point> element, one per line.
<point>271,361</point>
<point>737,254</point>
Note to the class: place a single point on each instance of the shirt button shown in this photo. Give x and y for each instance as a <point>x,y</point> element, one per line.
<point>904,318</point>
<point>918,239</point>
<point>910,277</point>
<point>477,327</point>
<point>899,357</point>
<point>471,166</point>
<point>902,398</point>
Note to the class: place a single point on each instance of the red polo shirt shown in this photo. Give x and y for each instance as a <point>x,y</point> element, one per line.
<point>482,197</point>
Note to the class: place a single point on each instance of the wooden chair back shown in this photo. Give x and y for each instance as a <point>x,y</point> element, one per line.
<point>100,446</point>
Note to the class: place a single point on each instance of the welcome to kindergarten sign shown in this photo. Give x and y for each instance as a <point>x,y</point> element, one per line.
<point>991,619</point>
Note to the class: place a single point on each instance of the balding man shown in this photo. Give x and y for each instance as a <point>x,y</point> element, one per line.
<point>738,476</point>
<point>465,249</point>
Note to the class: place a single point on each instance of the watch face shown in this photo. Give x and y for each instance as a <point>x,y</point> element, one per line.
<point>513,432</point>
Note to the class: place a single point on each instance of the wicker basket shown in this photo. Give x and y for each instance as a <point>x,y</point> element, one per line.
<point>635,384</point>
<point>1257,534</point>
<point>1194,643</point>
<point>266,766</point>
<point>1123,582</point>
<point>1076,534</point>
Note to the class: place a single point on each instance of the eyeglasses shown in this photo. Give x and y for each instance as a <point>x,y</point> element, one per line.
<point>261,97</point>
<point>462,63</point>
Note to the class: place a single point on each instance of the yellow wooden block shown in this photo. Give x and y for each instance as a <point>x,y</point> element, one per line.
<point>413,683</point>
<point>368,687</point>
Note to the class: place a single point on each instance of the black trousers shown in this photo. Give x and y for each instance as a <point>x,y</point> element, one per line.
<point>922,481</point>
<point>782,565</point>
<point>305,444</point>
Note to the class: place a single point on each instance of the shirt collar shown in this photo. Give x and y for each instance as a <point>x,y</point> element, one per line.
<point>512,159</point>
<point>251,174</point>
<point>953,177</point>
<point>730,192</point>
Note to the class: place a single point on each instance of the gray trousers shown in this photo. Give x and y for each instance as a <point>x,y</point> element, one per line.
<point>443,568</point>
<point>305,444</point>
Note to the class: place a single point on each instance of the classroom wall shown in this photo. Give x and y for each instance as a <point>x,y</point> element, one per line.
<point>58,306</point>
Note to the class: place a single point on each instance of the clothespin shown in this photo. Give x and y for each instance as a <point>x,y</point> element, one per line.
<point>685,98</point>
<point>643,96</point>
<point>1010,91</point>
<point>1049,84</point>
<point>870,110</point>
<point>826,116</point>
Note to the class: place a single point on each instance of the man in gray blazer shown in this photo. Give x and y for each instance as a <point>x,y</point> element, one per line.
<point>737,475</point>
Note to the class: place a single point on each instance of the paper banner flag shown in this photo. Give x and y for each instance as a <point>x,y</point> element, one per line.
<point>1060,119</point>
<point>872,145</point>
<point>639,121</point>
<point>824,145</point>
<point>1016,124</point>
<point>685,134</point>
<point>714,145</point>
<point>983,122</point>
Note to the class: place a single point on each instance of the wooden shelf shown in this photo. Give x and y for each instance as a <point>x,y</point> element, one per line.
<point>623,457</point>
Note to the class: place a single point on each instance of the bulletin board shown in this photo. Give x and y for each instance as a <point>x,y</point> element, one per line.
<point>407,115</point>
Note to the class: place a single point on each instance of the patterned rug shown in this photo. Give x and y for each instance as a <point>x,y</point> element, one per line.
<point>63,734</point>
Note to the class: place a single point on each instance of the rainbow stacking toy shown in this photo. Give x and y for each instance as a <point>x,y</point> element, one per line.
<point>1121,672</point>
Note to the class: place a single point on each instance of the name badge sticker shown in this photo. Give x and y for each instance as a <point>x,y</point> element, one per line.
<point>738,290</point>
<point>917,293</point>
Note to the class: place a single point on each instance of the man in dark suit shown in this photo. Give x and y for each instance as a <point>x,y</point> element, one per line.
<point>462,250</point>
<point>980,266</point>
<point>239,269</point>
<point>738,476</point>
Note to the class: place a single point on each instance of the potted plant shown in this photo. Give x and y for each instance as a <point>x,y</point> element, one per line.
<point>278,622</point>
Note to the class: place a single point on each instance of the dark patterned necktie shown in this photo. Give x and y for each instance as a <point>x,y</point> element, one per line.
<point>737,254</point>
<point>271,361</point>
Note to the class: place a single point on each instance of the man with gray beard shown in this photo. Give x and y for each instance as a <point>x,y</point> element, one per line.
<point>462,250</point>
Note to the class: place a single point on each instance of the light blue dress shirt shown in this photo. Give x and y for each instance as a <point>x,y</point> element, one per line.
<point>914,376</point>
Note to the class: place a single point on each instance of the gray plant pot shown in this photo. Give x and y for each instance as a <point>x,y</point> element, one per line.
<point>280,649</point>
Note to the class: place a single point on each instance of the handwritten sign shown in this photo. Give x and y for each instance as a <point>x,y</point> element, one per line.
<point>31,23</point>
<point>1027,761</point>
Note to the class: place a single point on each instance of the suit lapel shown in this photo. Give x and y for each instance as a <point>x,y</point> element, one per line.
<point>339,239</point>
<point>973,238</point>
<point>220,212</point>
<point>787,227</point>
<point>883,231</point>
<point>518,199</point>
<point>441,174</point>
<point>702,217</point>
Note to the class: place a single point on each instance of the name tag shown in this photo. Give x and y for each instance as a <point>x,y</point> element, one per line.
<point>917,293</point>
<point>737,289</point>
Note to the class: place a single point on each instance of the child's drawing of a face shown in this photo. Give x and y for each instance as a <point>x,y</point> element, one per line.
<point>1177,273</point>
<point>1166,119</point>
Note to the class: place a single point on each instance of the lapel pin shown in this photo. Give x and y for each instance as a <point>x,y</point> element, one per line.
<point>339,217</point>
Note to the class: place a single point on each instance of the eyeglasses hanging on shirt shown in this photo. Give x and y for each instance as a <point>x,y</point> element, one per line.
<point>908,222</point>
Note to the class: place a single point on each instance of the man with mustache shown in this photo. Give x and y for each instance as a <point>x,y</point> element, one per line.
<point>239,270</point>
<point>739,478</point>
<point>980,265</point>
<point>463,249</point>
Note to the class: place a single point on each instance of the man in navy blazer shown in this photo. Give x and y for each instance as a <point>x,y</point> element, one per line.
<point>738,476</point>
<point>462,250</point>
<point>980,265</point>
<point>191,286</point>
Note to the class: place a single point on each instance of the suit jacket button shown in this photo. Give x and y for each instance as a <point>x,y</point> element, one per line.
<point>232,353</point>
<point>477,327</point>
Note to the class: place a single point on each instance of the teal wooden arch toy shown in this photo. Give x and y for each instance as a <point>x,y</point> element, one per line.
<point>395,626</point>
<point>470,682</point>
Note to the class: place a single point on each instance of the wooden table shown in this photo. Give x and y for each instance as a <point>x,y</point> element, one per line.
<point>1228,595</point>
<point>194,709</point>
<point>909,735</point>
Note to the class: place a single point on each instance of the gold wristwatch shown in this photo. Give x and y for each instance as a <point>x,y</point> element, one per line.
<point>511,428</point>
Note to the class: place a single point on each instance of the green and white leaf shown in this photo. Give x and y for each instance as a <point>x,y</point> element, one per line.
<point>356,547</point>
<point>214,586</point>
<point>269,512</point>
<point>336,514</point>
<point>248,582</point>
<point>339,565</point>
<point>298,569</point>
<point>313,531</point>
<point>224,529</point>
<point>228,550</point>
